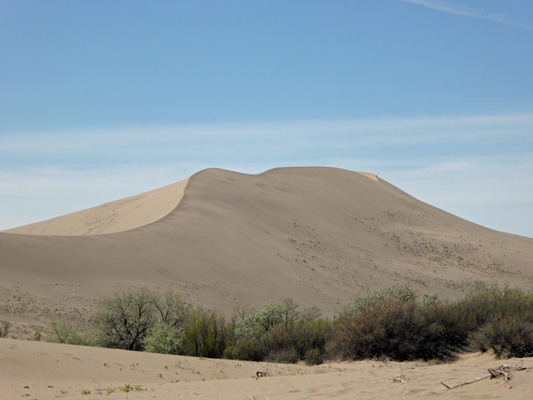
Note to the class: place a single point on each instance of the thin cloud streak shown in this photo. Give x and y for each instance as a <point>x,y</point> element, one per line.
<point>466,12</point>
<point>144,143</point>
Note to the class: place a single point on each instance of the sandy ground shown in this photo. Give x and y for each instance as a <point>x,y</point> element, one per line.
<point>227,240</point>
<point>37,370</point>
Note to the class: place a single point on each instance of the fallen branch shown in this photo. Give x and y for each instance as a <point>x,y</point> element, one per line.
<point>501,371</point>
<point>465,383</point>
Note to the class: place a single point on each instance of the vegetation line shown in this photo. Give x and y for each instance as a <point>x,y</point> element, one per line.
<point>391,324</point>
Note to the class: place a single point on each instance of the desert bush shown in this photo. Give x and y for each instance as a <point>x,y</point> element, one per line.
<point>164,339</point>
<point>64,332</point>
<point>429,298</point>
<point>166,336</point>
<point>279,332</point>
<point>509,336</point>
<point>314,356</point>
<point>362,302</point>
<point>124,320</point>
<point>206,335</point>
<point>391,329</point>
<point>5,326</point>
<point>246,349</point>
<point>172,310</point>
<point>256,322</point>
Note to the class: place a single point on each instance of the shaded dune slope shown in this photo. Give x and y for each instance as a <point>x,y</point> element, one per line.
<point>318,234</point>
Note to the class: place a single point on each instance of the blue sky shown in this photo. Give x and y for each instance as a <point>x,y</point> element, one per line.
<point>100,100</point>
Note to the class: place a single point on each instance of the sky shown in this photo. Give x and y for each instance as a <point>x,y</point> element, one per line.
<point>100,100</point>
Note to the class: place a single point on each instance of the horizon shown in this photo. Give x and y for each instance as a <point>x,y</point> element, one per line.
<point>100,101</point>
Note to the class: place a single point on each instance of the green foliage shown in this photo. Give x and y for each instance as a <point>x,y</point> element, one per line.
<point>64,332</point>
<point>392,323</point>
<point>429,299</point>
<point>126,388</point>
<point>205,335</point>
<point>164,339</point>
<point>279,332</point>
<point>172,310</point>
<point>124,320</point>
<point>402,293</point>
<point>256,322</point>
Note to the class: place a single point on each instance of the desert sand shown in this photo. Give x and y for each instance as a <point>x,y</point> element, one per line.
<point>37,370</point>
<point>227,240</point>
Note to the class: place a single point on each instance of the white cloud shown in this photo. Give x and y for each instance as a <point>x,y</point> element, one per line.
<point>465,11</point>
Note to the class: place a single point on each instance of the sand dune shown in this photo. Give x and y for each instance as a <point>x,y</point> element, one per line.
<point>227,239</point>
<point>116,216</point>
<point>50,371</point>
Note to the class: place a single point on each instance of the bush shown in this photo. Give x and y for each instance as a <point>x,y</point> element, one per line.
<point>64,332</point>
<point>164,339</point>
<point>5,326</point>
<point>205,335</point>
<point>402,293</point>
<point>391,329</point>
<point>125,320</point>
<point>509,336</point>
<point>279,332</point>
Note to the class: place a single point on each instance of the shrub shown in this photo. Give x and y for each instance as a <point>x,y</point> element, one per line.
<point>391,329</point>
<point>64,332</point>
<point>164,339</point>
<point>510,336</point>
<point>314,356</point>
<point>205,335</point>
<point>279,332</point>
<point>5,326</point>
<point>124,320</point>
<point>172,310</point>
<point>398,292</point>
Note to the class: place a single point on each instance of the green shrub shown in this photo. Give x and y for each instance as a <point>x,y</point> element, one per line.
<point>164,339</point>
<point>64,332</point>
<point>205,335</point>
<point>279,332</point>
<point>398,292</point>
<point>125,320</point>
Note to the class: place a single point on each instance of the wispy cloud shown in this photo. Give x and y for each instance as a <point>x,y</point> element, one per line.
<point>466,11</point>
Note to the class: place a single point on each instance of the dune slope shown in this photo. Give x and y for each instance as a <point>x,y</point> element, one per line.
<point>318,234</point>
<point>116,216</point>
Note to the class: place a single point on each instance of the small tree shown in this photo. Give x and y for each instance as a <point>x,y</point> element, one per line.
<point>124,320</point>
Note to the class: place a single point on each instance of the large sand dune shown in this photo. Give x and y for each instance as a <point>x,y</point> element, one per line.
<point>227,239</point>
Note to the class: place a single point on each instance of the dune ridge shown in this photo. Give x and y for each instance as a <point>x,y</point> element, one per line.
<point>116,216</point>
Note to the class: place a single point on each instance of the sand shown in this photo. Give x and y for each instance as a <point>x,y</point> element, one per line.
<point>37,370</point>
<point>116,216</point>
<point>226,239</point>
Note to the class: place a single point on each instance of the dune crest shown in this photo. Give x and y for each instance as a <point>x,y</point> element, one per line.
<point>116,216</point>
